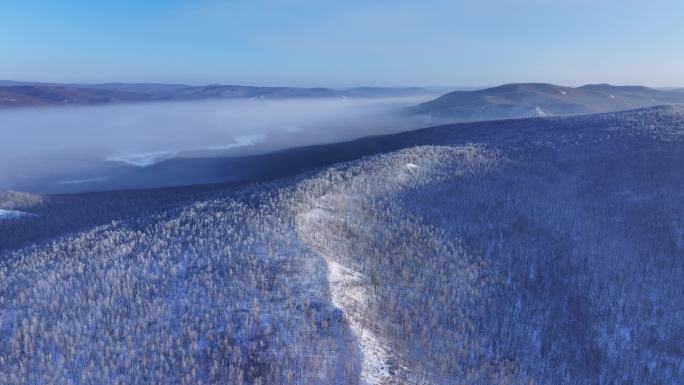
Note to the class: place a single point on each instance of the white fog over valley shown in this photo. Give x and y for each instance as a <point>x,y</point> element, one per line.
<point>80,144</point>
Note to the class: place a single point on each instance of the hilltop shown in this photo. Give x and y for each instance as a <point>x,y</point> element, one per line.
<point>522,100</point>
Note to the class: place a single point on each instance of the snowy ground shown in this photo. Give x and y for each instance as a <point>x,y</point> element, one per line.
<point>351,291</point>
<point>12,214</point>
<point>548,252</point>
<point>328,227</point>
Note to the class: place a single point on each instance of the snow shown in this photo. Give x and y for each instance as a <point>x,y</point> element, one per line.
<point>541,113</point>
<point>351,291</point>
<point>81,181</point>
<point>347,289</point>
<point>149,158</point>
<point>329,221</point>
<point>12,214</point>
<point>143,159</point>
<point>241,141</point>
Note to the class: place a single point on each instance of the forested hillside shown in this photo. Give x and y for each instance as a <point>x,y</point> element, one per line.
<point>535,251</point>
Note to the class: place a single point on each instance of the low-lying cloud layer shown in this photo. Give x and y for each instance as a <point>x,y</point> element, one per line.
<point>81,143</point>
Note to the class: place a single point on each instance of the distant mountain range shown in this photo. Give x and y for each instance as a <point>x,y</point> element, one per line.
<point>525,100</point>
<point>15,94</point>
<point>509,101</point>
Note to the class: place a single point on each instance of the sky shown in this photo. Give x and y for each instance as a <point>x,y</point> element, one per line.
<point>340,43</point>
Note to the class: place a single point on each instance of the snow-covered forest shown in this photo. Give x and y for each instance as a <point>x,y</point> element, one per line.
<point>532,251</point>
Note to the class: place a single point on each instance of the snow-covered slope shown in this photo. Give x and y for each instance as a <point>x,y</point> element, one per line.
<point>546,251</point>
<point>347,211</point>
<point>11,214</point>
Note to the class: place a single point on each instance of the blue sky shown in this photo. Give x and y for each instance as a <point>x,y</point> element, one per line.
<point>344,42</point>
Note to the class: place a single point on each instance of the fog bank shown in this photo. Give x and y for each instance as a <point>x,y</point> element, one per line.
<point>72,145</point>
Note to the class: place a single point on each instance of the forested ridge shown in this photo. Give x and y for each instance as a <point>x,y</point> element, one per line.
<point>534,251</point>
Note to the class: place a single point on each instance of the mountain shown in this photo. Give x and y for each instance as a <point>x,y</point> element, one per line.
<point>147,88</point>
<point>28,95</point>
<point>511,101</point>
<point>251,92</point>
<point>143,88</point>
<point>527,251</point>
<point>15,94</point>
<point>381,92</point>
<point>247,92</point>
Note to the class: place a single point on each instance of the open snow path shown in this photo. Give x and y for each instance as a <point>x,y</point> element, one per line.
<point>351,291</point>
